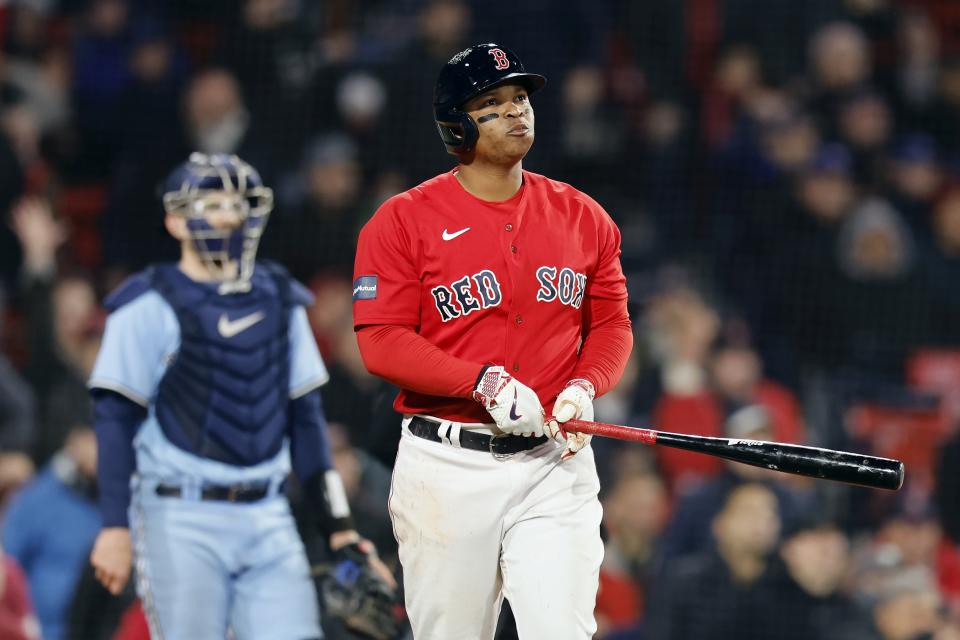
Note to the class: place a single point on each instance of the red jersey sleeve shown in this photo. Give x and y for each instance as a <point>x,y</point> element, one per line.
<point>607,331</point>
<point>386,285</point>
<point>608,280</point>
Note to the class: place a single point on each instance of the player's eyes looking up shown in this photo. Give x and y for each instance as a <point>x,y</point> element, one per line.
<point>495,97</point>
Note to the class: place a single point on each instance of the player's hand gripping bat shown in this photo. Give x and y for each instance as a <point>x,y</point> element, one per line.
<point>843,466</point>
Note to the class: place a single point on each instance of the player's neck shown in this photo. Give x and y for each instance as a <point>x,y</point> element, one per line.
<point>194,268</point>
<point>491,182</point>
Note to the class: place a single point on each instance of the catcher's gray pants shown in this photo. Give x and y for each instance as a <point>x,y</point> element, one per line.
<point>473,528</point>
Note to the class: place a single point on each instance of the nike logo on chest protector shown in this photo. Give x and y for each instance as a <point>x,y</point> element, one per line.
<point>455,234</point>
<point>229,328</point>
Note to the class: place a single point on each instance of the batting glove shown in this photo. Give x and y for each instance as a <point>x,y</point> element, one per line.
<point>574,402</point>
<point>514,406</point>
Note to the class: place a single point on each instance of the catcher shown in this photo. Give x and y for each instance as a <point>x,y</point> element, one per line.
<point>206,394</point>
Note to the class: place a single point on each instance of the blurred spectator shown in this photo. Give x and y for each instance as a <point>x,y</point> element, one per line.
<point>903,601</point>
<point>51,525</point>
<point>214,120</point>
<point>157,76</point>
<point>840,64</point>
<point>654,35</point>
<point>658,137</point>
<point>17,411</point>
<point>17,619</point>
<point>268,50</point>
<point>100,74</point>
<point>808,585</point>
<point>411,144</point>
<point>367,484</point>
<point>734,380</point>
<point>36,65</point>
<point>913,533</point>
<point>879,281</point>
<point>941,265</point>
<point>916,72</point>
<point>943,124</point>
<point>682,329</point>
<point>62,328</point>
<point>320,234</point>
<point>688,531</point>
<point>915,179</point>
<point>634,515</point>
<point>355,397</point>
<point>865,125</point>
<point>11,188</point>
<point>805,256</point>
<point>778,31</point>
<point>591,131</point>
<point>717,595</point>
<point>361,99</point>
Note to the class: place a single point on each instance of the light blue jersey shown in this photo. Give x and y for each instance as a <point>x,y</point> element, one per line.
<point>216,375</point>
<point>140,341</point>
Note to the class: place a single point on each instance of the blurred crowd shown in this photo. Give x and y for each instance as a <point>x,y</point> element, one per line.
<point>786,176</point>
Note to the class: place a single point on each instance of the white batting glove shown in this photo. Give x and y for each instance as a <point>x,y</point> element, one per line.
<point>514,406</point>
<point>574,402</point>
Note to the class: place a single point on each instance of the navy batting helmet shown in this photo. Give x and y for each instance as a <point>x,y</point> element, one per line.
<point>466,75</point>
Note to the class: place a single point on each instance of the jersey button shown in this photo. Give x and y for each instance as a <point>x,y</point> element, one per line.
<point>519,319</point>
<point>516,366</point>
<point>508,227</point>
<point>513,248</point>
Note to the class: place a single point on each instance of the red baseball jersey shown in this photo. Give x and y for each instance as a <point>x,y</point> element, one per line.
<point>488,282</point>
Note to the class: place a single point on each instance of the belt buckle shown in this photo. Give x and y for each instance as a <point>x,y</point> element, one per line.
<point>233,492</point>
<point>498,456</point>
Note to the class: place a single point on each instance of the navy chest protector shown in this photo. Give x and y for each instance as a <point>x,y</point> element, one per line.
<point>225,394</point>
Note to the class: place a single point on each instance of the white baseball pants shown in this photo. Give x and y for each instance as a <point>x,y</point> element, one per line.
<point>474,529</point>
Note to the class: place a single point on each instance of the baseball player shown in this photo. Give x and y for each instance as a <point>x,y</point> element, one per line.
<point>206,392</point>
<point>493,297</point>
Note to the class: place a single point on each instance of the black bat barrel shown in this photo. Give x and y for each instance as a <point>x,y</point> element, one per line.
<point>842,466</point>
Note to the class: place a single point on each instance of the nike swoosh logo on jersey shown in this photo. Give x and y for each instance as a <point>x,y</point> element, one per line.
<point>229,328</point>
<point>451,236</point>
<point>513,408</point>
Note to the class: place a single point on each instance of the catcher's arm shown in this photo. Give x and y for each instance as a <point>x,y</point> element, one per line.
<point>356,586</point>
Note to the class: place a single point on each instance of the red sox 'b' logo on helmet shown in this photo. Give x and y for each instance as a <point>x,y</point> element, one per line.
<point>500,58</point>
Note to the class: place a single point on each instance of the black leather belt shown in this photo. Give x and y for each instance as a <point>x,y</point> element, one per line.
<point>244,492</point>
<point>500,445</point>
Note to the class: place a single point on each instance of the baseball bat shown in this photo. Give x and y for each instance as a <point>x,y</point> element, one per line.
<point>827,464</point>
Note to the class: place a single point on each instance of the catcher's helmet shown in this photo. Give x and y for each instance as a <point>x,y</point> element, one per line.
<point>466,75</point>
<point>205,183</point>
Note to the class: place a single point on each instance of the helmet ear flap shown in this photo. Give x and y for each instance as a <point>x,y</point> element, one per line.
<point>462,138</point>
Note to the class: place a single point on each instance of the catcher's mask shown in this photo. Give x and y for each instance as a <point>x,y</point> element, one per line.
<point>468,74</point>
<point>226,208</point>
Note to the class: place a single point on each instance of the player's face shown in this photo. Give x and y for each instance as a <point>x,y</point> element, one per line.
<point>504,116</point>
<point>222,210</point>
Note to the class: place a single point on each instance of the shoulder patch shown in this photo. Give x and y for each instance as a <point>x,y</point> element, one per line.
<point>130,289</point>
<point>365,288</point>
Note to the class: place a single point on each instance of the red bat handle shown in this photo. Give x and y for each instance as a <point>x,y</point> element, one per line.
<point>633,434</point>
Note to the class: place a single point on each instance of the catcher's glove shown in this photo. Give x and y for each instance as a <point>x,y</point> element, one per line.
<point>350,589</point>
